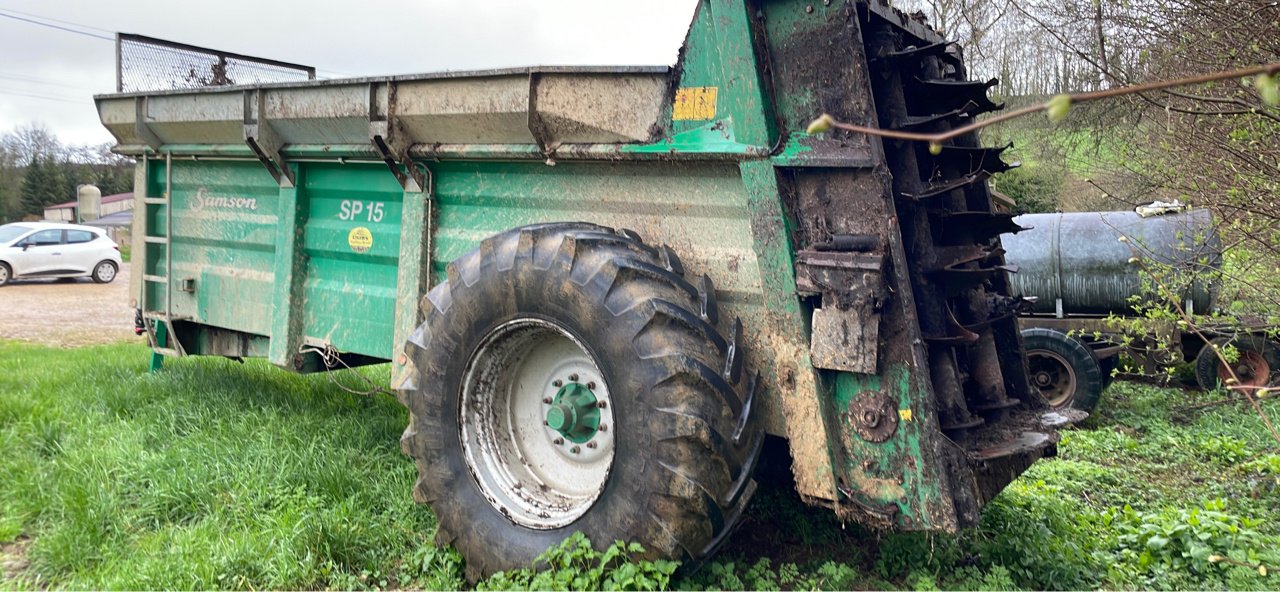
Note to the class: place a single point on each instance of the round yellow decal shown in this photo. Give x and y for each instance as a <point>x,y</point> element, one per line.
<point>360,239</point>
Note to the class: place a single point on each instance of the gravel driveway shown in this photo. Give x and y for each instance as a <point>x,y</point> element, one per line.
<point>67,313</point>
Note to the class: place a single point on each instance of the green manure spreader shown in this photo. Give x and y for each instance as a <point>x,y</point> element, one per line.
<point>601,289</point>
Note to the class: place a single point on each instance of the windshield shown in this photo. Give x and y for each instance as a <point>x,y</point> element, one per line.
<point>9,232</point>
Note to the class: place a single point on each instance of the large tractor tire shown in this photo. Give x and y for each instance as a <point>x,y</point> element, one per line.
<point>568,378</point>
<point>1258,364</point>
<point>1063,368</point>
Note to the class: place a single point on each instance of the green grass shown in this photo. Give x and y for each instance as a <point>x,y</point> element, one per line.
<point>213,474</point>
<point>210,474</point>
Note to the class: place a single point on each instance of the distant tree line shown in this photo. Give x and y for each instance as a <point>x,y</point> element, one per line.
<point>36,171</point>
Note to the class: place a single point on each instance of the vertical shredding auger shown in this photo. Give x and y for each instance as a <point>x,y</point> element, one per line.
<point>599,289</point>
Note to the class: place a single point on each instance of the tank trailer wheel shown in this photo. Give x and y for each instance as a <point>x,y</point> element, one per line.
<point>1258,363</point>
<point>1063,368</point>
<point>567,378</point>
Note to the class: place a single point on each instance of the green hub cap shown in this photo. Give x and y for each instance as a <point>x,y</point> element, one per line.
<point>574,413</point>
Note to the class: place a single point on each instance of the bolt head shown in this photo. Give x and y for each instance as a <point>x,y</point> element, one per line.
<point>546,400</point>
<point>575,450</point>
<point>591,385</point>
<point>557,383</point>
<point>591,444</point>
<point>602,404</point>
<point>602,427</point>
<point>573,378</point>
<point>558,441</point>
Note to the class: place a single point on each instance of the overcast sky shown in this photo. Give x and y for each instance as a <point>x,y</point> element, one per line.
<point>49,75</point>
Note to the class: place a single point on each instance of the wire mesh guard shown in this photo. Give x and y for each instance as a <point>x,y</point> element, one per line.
<point>148,64</point>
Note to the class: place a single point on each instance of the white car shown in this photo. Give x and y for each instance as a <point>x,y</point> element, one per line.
<point>53,250</point>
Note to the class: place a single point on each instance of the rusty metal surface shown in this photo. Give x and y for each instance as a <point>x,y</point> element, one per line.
<point>874,416</point>
<point>845,339</point>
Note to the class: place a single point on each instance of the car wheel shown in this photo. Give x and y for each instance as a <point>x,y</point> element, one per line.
<point>1256,366</point>
<point>5,273</point>
<point>104,272</point>
<point>567,378</point>
<point>1064,369</point>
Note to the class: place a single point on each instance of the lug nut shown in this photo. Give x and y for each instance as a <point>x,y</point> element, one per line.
<point>602,404</point>
<point>573,378</point>
<point>603,428</point>
<point>557,383</point>
<point>558,441</point>
<point>575,450</point>
<point>591,385</point>
<point>546,400</point>
<point>591,444</point>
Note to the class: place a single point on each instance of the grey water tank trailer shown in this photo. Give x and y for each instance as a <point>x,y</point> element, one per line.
<point>1076,264</point>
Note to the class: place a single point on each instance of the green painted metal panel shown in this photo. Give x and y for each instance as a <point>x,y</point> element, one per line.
<point>352,248</point>
<point>224,220</point>
<point>286,327</point>
<point>917,490</point>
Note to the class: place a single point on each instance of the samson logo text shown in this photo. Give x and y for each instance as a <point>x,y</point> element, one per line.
<point>203,200</point>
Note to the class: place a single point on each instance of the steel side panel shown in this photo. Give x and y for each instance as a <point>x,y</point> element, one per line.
<point>350,291</point>
<point>224,233</point>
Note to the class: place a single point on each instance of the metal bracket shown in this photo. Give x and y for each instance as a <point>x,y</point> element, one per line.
<point>390,139</point>
<point>846,329</point>
<point>141,126</point>
<point>834,271</point>
<point>537,126</point>
<point>263,139</point>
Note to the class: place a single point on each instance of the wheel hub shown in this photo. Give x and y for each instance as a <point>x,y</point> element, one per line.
<point>574,413</point>
<point>1043,379</point>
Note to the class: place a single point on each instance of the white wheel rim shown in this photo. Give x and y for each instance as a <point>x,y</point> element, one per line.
<point>530,472</point>
<point>106,272</point>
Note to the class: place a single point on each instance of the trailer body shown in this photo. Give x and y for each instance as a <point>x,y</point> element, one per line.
<point>308,223</point>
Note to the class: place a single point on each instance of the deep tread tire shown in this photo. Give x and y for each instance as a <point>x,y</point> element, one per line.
<point>99,276</point>
<point>1207,362</point>
<point>686,441</point>
<point>1057,345</point>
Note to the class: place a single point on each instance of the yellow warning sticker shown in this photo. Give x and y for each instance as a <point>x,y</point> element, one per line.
<point>904,414</point>
<point>695,103</point>
<point>360,239</point>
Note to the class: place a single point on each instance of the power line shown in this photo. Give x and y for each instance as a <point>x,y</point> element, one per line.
<point>37,80</point>
<point>21,93</point>
<point>49,18</point>
<point>52,26</point>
